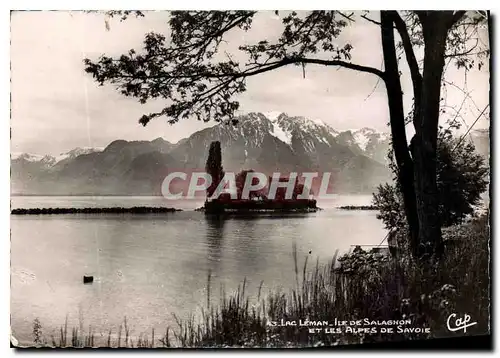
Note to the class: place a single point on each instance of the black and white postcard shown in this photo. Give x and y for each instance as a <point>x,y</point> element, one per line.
<point>249,179</point>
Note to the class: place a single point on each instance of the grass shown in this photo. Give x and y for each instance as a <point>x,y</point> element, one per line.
<point>81,338</point>
<point>352,287</point>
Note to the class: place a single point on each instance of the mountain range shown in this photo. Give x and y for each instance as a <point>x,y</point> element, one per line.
<point>270,142</point>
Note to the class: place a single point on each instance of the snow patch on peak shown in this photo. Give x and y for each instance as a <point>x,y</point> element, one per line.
<point>48,160</point>
<point>317,121</point>
<point>284,136</point>
<point>273,115</point>
<point>333,131</point>
<point>361,139</point>
<point>255,115</point>
<point>77,152</point>
<point>27,156</point>
<point>366,130</point>
<point>385,136</point>
<point>314,124</point>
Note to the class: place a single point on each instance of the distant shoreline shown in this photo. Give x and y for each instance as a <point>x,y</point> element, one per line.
<point>112,210</point>
<point>90,195</point>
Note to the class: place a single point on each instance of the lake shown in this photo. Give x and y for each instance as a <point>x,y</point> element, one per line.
<point>148,267</point>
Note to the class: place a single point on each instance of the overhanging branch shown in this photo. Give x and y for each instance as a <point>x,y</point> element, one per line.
<point>303,60</point>
<point>340,63</point>
<point>225,82</point>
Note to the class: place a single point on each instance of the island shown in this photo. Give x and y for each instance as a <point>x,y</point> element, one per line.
<point>217,206</point>
<point>265,199</point>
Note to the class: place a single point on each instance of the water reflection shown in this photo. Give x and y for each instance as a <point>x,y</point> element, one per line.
<point>215,241</point>
<point>248,233</point>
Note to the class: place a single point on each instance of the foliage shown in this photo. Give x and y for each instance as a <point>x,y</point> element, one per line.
<point>37,331</point>
<point>298,188</point>
<point>389,201</point>
<point>214,167</point>
<point>361,262</point>
<point>240,179</point>
<point>193,71</point>
<point>464,45</point>
<point>124,14</point>
<point>461,179</point>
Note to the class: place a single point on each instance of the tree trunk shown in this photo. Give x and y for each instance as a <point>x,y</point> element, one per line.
<point>424,143</point>
<point>399,143</point>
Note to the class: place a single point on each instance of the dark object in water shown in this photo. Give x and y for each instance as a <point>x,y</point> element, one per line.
<point>88,279</point>
<point>115,210</point>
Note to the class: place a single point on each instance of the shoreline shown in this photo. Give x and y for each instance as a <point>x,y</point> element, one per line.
<point>110,210</point>
<point>152,210</point>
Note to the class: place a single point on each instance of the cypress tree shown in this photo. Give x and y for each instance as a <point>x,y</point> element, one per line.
<point>214,166</point>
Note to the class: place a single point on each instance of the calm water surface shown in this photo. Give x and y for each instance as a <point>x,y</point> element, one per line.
<point>147,267</point>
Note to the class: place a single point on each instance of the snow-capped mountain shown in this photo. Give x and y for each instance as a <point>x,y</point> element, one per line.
<point>264,142</point>
<point>29,157</point>
<point>366,137</point>
<point>254,133</point>
<point>366,141</point>
<point>300,125</point>
<point>29,170</point>
<point>279,142</point>
<point>33,161</point>
<point>76,152</point>
<point>49,160</point>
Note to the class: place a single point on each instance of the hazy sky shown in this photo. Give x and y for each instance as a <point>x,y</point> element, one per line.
<point>56,106</point>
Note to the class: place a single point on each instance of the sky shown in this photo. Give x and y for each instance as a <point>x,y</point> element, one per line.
<point>56,106</point>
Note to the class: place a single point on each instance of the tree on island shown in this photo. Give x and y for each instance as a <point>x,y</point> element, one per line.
<point>198,79</point>
<point>263,193</point>
<point>298,189</point>
<point>214,167</point>
<point>241,178</point>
